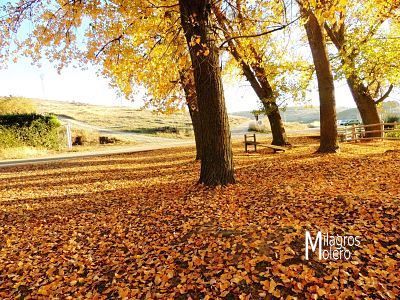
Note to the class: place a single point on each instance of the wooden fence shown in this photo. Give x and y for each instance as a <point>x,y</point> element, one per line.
<point>388,131</point>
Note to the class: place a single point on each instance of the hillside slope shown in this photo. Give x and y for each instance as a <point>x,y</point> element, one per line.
<point>120,118</point>
<point>310,114</point>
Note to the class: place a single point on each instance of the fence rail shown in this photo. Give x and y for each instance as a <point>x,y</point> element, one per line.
<point>387,131</point>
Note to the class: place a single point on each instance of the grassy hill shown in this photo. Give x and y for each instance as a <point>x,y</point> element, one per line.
<point>306,114</point>
<point>120,118</point>
<point>89,121</point>
<point>311,114</point>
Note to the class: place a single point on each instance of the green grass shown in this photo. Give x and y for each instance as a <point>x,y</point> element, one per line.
<point>32,130</point>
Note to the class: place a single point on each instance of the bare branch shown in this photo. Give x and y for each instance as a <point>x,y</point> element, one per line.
<point>386,95</point>
<point>259,34</point>
<point>117,39</point>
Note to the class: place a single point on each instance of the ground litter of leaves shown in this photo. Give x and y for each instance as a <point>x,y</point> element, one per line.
<point>137,226</point>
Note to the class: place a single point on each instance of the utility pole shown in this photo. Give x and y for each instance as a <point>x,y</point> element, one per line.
<point>42,84</point>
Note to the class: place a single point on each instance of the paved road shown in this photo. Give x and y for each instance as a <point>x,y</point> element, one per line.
<point>148,143</point>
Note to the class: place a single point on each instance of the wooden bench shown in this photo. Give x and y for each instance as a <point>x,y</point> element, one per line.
<point>251,140</point>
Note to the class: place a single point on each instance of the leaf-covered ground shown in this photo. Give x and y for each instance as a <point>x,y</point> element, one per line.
<point>136,226</point>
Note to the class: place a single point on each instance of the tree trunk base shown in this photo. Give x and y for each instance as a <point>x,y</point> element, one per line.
<point>281,143</point>
<point>330,149</point>
<point>216,181</point>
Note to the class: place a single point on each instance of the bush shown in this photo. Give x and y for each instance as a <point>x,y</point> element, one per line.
<point>88,137</point>
<point>8,138</point>
<point>29,130</point>
<point>315,124</point>
<point>395,133</point>
<point>26,120</point>
<point>15,105</point>
<point>258,126</point>
<point>392,119</point>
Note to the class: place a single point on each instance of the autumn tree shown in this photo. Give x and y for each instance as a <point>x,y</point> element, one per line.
<point>314,20</point>
<point>368,56</point>
<point>250,53</point>
<point>114,36</point>
<point>217,164</point>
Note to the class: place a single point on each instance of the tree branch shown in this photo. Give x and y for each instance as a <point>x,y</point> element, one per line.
<point>108,43</point>
<point>384,97</point>
<point>333,37</point>
<point>258,34</point>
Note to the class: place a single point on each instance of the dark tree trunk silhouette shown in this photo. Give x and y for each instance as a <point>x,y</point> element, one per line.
<point>279,137</point>
<point>316,38</point>
<point>194,115</point>
<point>187,82</point>
<point>366,106</point>
<point>216,162</point>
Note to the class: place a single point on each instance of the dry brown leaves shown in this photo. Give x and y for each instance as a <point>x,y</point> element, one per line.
<point>137,226</point>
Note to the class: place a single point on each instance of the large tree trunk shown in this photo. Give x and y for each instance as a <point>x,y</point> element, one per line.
<point>279,137</point>
<point>216,163</point>
<point>366,106</point>
<point>187,82</point>
<point>316,38</point>
<point>365,102</point>
<point>194,115</point>
<point>256,75</point>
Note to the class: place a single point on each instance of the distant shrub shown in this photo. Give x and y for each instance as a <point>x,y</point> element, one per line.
<point>29,130</point>
<point>392,119</point>
<point>86,136</point>
<point>258,126</point>
<point>26,120</point>
<point>395,133</point>
<point>315,124</point>
<point>16,105</point>
<point>8,138</point>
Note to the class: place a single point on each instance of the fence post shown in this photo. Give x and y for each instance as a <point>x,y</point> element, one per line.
<point>69,136</point>
<point>382,131</point>
<point>353,132</point>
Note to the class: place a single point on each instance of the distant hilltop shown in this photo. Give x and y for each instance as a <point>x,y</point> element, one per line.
<point>309,114</point>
